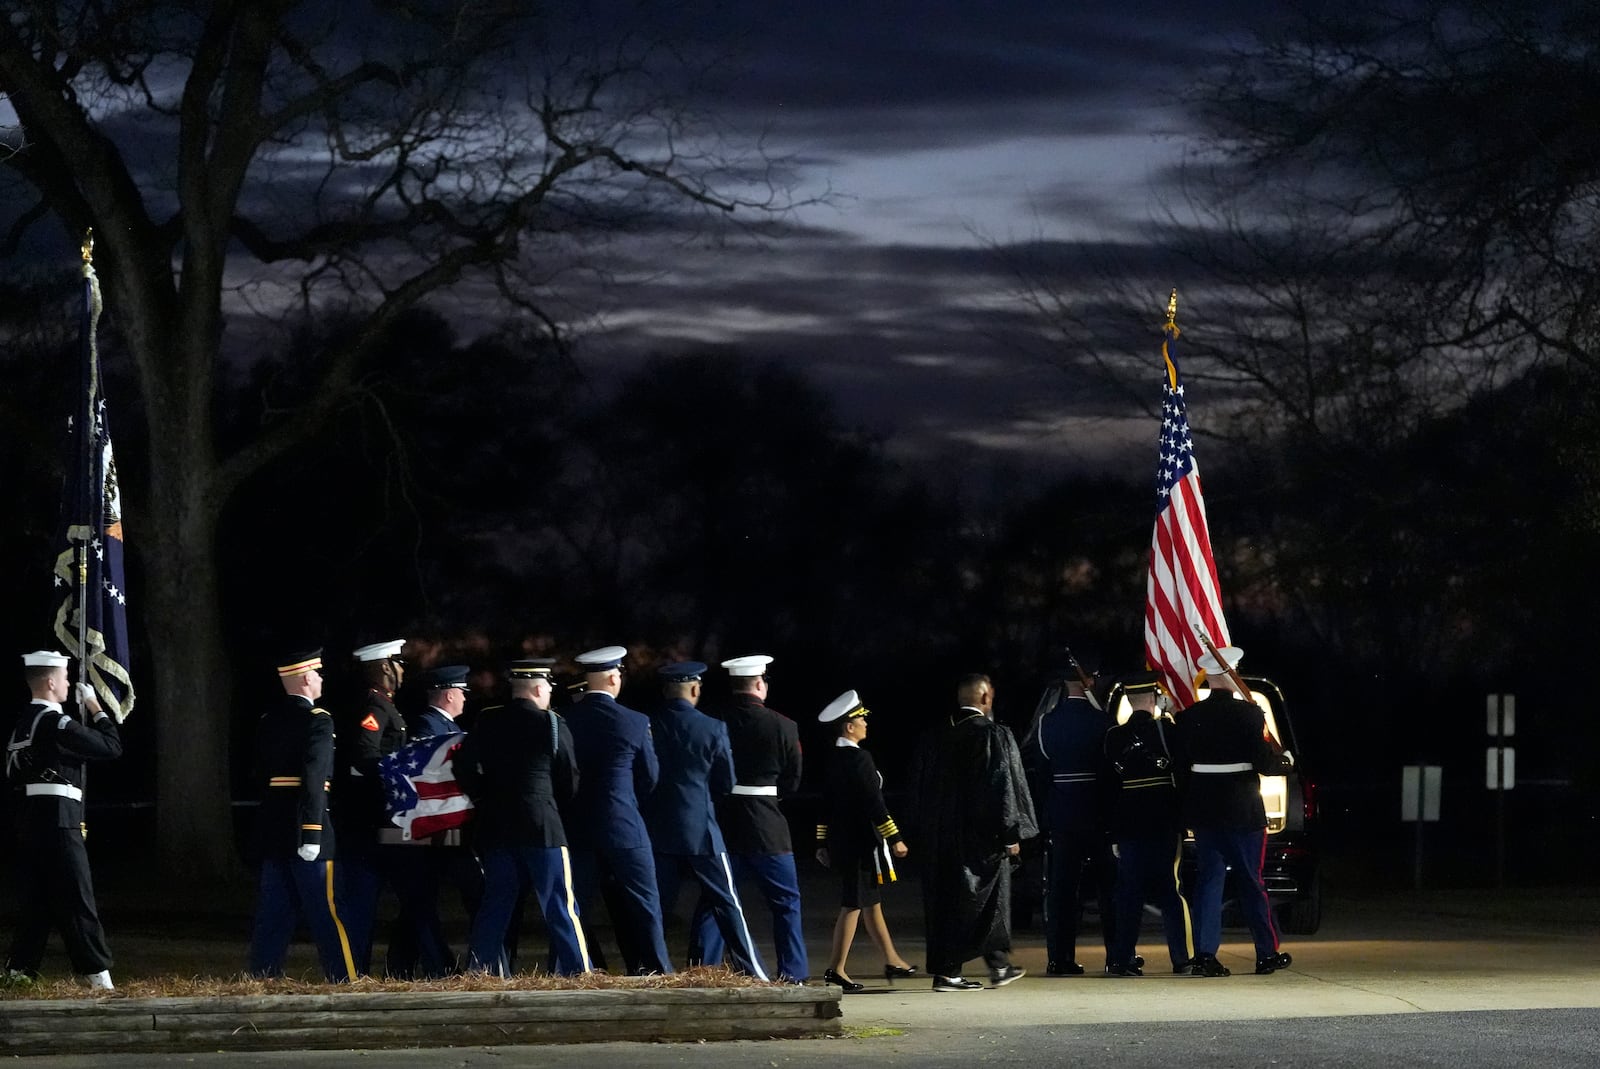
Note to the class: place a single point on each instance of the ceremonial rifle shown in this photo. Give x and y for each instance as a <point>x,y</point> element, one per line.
<point>1084,679</point>
<point>1238,681</point>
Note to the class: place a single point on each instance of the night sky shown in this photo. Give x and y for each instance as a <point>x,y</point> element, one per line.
<point>944,138</point>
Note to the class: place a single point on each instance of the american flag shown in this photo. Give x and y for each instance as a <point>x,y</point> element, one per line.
<point>1182,592</point>
<point>420,789</point>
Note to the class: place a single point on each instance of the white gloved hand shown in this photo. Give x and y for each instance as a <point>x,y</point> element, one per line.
<point>85,692</point>
<point>309,851</point>
<point>1289,757</point>
<point>1116,851</point>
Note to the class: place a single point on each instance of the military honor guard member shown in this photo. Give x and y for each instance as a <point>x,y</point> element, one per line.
<point>1067,749</point>
<point>516,764</point>
<point>294,756</point>
<point>371,731</point>
<point>45,761</point>
<point>418,948</point>
<point>1224,740</point>
<point>766,762</point>
<point>617,769</point>
<point>858,843</point>
<point>975,810</point>
<point>696,762</point>
<point>1147,828</point>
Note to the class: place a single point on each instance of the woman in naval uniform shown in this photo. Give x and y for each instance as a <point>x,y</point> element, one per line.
<point>859,843</point>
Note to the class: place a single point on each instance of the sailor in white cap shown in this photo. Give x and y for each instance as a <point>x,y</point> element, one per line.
<point>45,758</point>
<point>766,760</point>
<point>858,843</point>
<point>1227,747</point>
<point>617,768</point>
<point>367,733</point>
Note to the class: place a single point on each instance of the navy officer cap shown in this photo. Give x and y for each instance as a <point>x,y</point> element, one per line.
<point>603,659</point>
<point>531,668</point>
<point>446,677</point>
<point>682,671</point>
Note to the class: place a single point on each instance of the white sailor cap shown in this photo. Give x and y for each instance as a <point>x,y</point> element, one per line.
<point>603,659</point>
<point>846,705</point>
<point>1209,665</point>
<point>379,651</point>
<point>44,659</point>
<point>753,665</point>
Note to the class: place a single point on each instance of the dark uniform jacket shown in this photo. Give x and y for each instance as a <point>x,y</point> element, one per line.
<point>696,769</point>
<point>1224,730</point>
<point>766,753</point>
<point>517,763</point>
<point>294,761</point>
<point>1066,754</point>
<point>376,730</point>
<point>1143,755</point>
<point>50,747</point>
<point>617,760</point>
<point>857,818</point>
<point>431,722</point>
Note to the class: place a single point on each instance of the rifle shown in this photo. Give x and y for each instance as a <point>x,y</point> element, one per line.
<point>1238,681</point>
<point>1084,679</point>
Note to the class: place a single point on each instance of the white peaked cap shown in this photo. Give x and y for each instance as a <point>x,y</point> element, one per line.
<point>599,660</point>
<point>844,705</point>
<point>753,665</point>
<point>1209,665</point>
<point>379,651</point>
<point>44,659</point>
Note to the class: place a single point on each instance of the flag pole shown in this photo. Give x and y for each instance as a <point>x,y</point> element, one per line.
<point>86,495</point>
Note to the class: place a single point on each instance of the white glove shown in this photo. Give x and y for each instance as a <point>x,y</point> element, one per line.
<point>1116,851</point>
<point>85,693</point>
<point>309,851</point>
<point>1289,757</point>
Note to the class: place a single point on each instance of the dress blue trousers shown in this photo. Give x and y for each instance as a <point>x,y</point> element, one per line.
<point>634,903</point>
<point>779,884</point>
<point>714,874</point>
<point>1219,850</point>
<point>1071,858</point>
<point>509,872</point>
<point>292,889</point>
<point>1147,871</point>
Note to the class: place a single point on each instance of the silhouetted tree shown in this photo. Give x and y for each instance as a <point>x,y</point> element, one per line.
<point>251,156</point>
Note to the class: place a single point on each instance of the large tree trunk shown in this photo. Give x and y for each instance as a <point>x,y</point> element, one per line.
<point>193,698</point>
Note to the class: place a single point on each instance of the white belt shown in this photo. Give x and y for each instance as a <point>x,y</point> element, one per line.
<point>1235,766</point>
<point>60,790</point>
<point>769,791</point>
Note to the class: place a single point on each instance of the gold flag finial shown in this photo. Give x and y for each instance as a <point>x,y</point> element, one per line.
<point>1172,308</point>
<point>88,245</point>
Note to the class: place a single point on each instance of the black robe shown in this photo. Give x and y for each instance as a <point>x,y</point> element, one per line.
<point>973,801</point>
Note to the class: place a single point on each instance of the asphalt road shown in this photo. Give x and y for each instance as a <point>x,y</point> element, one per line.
<point>1460,980</point>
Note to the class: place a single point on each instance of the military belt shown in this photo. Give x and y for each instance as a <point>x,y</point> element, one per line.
<point>1232,766</point>
<point>396,837</point>
<point>60,790</point>
<point>769,791</point>
<point>1074,777</point>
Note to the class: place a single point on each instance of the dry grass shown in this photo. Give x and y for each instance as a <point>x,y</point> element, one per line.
<point>212,987</point>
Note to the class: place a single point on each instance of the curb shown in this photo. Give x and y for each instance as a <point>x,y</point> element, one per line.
<point>414,1019</point>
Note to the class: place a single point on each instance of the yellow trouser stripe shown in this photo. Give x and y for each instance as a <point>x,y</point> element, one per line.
<point>572,909</point>
<point>338,926</point>
<point>1188,927</point>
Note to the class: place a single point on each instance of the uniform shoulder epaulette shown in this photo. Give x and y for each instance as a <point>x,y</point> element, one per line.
<point>317,710</point>
<point>490,708</point>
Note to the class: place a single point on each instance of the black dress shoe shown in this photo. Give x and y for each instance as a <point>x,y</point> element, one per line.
<point>1125,969</point>
<point>955,983</point>
<point>850,986</point>
<point>1063,968</point>
<point>1137,961</point>
<point>1183,968</point>
<point>1272,963</point>
<point>1207,965</point>
<point>892,973</point>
